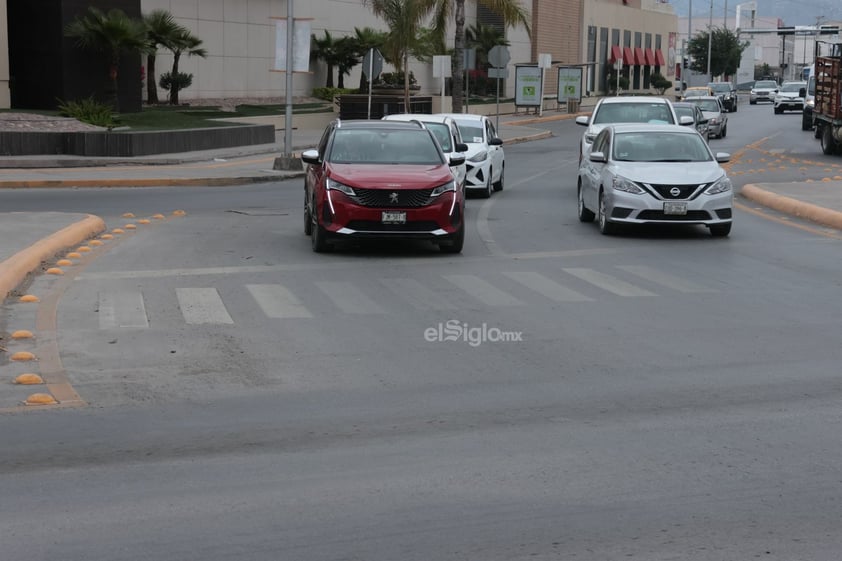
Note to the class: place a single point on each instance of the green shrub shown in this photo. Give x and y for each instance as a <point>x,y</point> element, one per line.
<point>329,93</point>
<point>660,83</point>
<point>88,111</point>
<point>178,82</point>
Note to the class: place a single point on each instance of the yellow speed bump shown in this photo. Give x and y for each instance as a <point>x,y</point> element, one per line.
<point>64,262</point>
<point>29,379</point>
<point>144,221</point>
<point>179,213</point>
<point>29,298</point>
<point>54,271</point>
<point>128,215</point>
<point>118,231</point>
<point>74,255</point>
<point>40,399</point>
<point>107,237</point>
<point>22,334</point>
<point>158,216</point>
<point>22,356</point>
<point>95,243</point>
<point>129,226</point>
<point>83,249</point>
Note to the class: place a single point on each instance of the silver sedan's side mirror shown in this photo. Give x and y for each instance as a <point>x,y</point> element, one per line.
<point>723,157</point>
<point>685,120</point>
<point>597,157</point>
<point>583,120</point>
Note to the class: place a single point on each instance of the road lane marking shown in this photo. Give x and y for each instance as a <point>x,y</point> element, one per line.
<point>483,290</point>
<point>277,302</point>
<point>665,279</point>
<point>419,296</point>
<point>122,309</point>
<point>547,287</point>
<point>201,306</point>
<point>607,282</point>
<point>349,298</point>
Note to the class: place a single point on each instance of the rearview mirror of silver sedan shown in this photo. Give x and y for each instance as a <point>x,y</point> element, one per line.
<point>723,157</point>
<point>686,120</point>
<point>598,157</point>
<point>583,120</point>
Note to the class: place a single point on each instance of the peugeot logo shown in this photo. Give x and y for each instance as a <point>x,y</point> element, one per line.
<point>393,197</point>
<point>675,191</point>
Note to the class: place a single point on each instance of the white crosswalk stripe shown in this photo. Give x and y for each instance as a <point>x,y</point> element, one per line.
<point>419,296</point>
<point>202,306</point>
<point>349,298</point>
<point>122,309</point>
<point>607,282</point>
<point>665,279</point>
<point>547,287</point>
<point>483,291</point>
<point>277,302</point>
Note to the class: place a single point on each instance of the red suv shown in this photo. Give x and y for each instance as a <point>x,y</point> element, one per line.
<point>382,179</point>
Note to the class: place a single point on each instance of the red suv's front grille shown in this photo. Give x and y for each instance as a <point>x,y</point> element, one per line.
<point>392,198</point>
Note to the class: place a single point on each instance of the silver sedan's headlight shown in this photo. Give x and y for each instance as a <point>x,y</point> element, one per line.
<point>722,185</point>
<point>626,185</point>
<point>481,157</point>
<point>449,186</point>
<point>336,186</point>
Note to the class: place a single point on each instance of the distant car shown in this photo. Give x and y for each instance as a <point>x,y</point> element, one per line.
<point>700,122</point>
<point>623,109</point>
<point>662,174</point>
<point>789,97</point>
<point>381,179</point>
<point>711,108</point>
<point>809,100</point>
<point>763,90</point>
<point>696,91</point>
<point>727,93</point>
<point>447,133</point>
<point>485,159</point>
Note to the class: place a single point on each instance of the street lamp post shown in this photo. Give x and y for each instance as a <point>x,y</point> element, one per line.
<point>710,40</point>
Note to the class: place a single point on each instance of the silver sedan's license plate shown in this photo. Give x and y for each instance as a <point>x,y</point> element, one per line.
<point>675,208</point>
<point>391,217</point>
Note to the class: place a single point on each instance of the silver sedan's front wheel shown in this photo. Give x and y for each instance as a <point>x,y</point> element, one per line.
<point>605,227</point>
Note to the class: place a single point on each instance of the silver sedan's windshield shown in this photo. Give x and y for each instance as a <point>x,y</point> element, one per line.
<point>633,113</point>
<point>660,147</point>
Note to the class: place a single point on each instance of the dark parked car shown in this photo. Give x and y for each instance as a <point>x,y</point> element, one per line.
<point>727,93</point>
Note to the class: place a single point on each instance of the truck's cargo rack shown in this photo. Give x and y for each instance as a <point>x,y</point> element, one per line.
<point>828,72</point>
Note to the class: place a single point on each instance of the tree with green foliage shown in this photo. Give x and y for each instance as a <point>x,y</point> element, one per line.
<point>347,57</point>
<point>326,49</point>
<point>113,33</point>
<point>660,83</point>
<point>726,50</point>
<point>483,38</point>
<point>510,11</point>
<point>162,29</point>
<point>184,42</point>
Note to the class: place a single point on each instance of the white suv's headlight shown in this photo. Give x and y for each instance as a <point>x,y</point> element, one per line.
<point>449,186</point>
<point>722,185</point>
<point>341,187</point>
<point>481,157</point>
<point>626,185</point>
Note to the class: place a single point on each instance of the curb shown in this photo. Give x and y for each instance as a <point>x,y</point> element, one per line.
<point>539,120</point>
<point>14,269</point>
<point>530,137</point>
<point>149,182</point>
<point>788,205</point>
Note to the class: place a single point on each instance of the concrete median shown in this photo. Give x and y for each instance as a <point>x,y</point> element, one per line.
<point>809,211</point>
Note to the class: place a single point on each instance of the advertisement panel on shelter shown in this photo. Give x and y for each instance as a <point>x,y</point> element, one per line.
<point>527,86</point>
<point>570,84</point>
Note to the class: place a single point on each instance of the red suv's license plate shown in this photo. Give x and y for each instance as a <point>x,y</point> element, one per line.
<point>390,217</point>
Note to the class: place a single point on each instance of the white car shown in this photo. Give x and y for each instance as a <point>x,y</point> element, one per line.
<point>485,159</point>
<point>789,98</point>
<point>625,109</point>
<point>654,174</point>
<point>763,90</point>
<point>446,132</point>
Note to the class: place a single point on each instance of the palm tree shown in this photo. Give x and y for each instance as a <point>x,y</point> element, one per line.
<point>367,39</point>
<point>184,42</point>
<point>113,33</point>
<point>403,18</point>
<point>483,38</point>
<point>510,10</point>
<point>162,30</point>
<point>326,49</point>
<point>347,57</point>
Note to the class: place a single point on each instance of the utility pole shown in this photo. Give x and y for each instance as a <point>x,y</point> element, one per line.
<point>725,19</point>
<point>710,40</point>
<point>685,72</point>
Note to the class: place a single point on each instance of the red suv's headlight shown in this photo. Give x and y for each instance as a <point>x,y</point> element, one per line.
<point>336,186</point>
<point>449,186</point>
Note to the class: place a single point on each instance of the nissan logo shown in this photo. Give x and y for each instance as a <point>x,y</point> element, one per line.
<point>675,191</point>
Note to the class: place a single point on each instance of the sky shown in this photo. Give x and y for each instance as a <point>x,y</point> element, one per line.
<point>792,12</point>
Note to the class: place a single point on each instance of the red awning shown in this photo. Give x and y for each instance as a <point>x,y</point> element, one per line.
<point>659,58</point>
<point>649,55</point>
<point>638,56</point>
<point>616,54</point>
<point>628,56</point>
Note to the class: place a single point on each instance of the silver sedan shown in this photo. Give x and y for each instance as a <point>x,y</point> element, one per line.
<point>641,174</point>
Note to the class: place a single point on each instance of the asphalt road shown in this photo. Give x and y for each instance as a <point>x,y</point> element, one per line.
<point>671,395</point>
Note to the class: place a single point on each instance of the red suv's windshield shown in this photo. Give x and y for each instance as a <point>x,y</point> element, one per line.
<point>384,147</point>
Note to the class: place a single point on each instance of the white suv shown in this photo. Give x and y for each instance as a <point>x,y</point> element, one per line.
<point>485,159</point>
<point>446,131</point>
<point>626,109</point>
